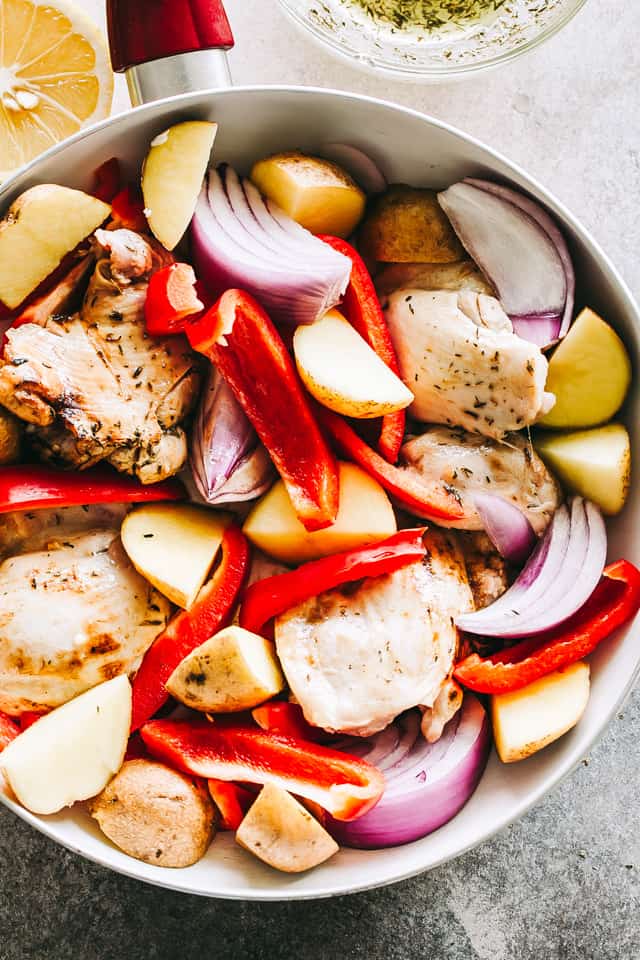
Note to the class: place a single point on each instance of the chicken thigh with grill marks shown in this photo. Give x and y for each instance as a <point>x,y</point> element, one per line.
<point>95,386</point>
<point>73,610</point>
<point>357,656</point>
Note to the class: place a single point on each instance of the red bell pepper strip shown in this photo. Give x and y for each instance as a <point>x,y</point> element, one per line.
<point>615,600</point>
<point>57,298</point>
<point>239,338</point>
<point>106,180</point>
<point>232,802</point>
<point>435,503</point>
<point>127,210</point>
<point>267,598</point>
<point>32,486</point>
<point>171,297</point>
<point>287,720</point>
<point>136,749</point>
<point>9,730</point>
<point>344,785</point>
<point>29,717</point>
<point>212,610</point>
<point>363,311</point>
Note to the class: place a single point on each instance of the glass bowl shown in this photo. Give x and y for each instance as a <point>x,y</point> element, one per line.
<point>450,47</point>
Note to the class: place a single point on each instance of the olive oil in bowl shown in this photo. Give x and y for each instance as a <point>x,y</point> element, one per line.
<point>431,15</point>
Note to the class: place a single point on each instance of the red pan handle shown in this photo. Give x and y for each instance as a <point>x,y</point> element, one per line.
<point>145,30</point>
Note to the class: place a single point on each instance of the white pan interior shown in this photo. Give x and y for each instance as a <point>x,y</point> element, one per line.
<point>414,149</point>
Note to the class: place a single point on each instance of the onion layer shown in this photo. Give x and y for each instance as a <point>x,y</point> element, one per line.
<point>239,240</point>
<point>228,463</point>
<point>522,252</point>
<point>427,784</point>
<point>506,526</point>
<point>561,574</point>
<point>358,164</point>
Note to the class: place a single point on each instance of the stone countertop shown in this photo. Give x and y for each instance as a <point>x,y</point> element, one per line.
<point>564,882</point>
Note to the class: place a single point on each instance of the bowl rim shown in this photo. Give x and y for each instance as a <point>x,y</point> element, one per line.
<point>375,66</point>
<point>167,879</point>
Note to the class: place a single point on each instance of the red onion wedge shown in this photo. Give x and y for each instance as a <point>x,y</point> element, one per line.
<point>228,463</point>
<point>561,574</point>
<point>507,527</point>
<point>548,224</point>
<point>427,784</point>
<point>358,164</point>
<point>238,240</point>
<point>521,251</point>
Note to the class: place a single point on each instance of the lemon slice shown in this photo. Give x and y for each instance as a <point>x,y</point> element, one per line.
<point>55,77</point>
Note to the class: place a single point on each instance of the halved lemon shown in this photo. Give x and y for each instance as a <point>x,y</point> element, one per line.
<point>55,77</point>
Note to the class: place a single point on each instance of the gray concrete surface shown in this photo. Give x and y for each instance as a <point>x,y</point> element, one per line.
<point>562,884</point>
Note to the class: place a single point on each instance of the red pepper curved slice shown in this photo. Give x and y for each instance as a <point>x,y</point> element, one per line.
<point>127,210</point>
<point>232,802</point>
<point>267,598</point>
<point>344,785</point>
<point>615,600</point>
<point>211,612</point>
<point>171,298</point>
<point>35,486</point>
<point>237,335</point>
<point>362,309</point>
<point>287,720</point>
<point>429,502</point>
<point>29,717</point>
<point>9,730</point>
<point>106,180</point>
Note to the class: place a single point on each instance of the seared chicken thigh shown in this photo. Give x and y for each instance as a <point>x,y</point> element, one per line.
<point>357,656</point>
<point>72,614</point>
<point>95,386</point>
<point>461,275</point>
<point>465,366</point>
<point>469,464</point>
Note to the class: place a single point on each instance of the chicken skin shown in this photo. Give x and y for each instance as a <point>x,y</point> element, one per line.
<point>95,386</point>
<point>468,464</point>
<point>357,656</point>
<point>73,612</point>
<point>465,366</point>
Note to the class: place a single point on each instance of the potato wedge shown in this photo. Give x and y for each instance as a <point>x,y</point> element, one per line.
<point>41,227</point>
<point>589,373</point>
<point>316,193</point>
<point>172,177</point>
<point>365,516</point>
<point>594,463</point>
<point>279,831</point>
<point>71,753</point>
<point>232,671</point>
<point>174,546</point>
<point>407,225</point>
<point>155,814</point>
<point>10,438</point>
<point>342,371</point>
<point>529,719</point>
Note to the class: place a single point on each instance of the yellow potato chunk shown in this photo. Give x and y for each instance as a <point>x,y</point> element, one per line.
<point>343,372</point>
<point>279,831</point>
<point>365,516</point>
<point>41,227</point>
<point>174,546</point>
<point>172,177</point>
<point>589,373</point>
<point>594,463</point>
<point>407,225</point>
<point>529,719</point>
<point>316,193</point>
<point>233,670</point>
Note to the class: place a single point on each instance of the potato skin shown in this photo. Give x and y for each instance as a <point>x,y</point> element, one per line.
<point>155,814</point>
<point>407,225</point>
<point>10,438</point>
